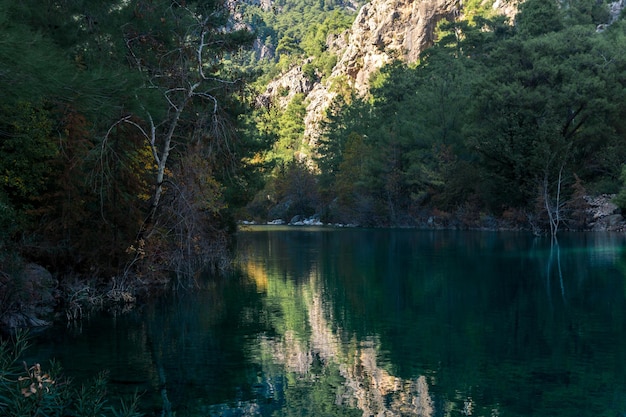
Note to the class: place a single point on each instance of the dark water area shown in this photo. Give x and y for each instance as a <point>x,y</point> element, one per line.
<point>328,322</point>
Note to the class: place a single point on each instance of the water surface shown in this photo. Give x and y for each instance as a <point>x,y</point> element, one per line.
<point>327,322</point>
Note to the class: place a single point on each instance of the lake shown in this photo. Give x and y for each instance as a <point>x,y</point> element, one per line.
<point>357,322</point>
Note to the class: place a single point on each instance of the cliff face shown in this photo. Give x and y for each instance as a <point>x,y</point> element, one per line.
<point>383,30</point>
<point>388,29</point>
<point>281,91</point>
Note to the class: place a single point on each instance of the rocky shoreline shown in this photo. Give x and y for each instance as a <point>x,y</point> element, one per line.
<point>598,214</point>
<point>33,298</point>
<point>604,215</point>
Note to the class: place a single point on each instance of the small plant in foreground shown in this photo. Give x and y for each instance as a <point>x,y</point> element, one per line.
<point>29,390</point>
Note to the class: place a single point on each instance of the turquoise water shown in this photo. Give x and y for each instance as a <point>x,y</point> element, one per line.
<point>326,322</point>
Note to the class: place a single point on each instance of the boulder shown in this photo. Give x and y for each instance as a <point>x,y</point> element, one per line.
<point>31,296</point>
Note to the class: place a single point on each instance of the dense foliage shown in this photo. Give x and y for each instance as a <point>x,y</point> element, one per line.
<point>516,121</point>
<point>289,30</point>
<point>119,154</point>
<point>291,35</point>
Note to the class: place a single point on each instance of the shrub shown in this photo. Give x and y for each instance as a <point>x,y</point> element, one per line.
<point>30,390</point>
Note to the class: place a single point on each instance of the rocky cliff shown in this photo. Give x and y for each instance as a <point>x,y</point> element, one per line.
<point>383,30</point>
<point>390,29</point>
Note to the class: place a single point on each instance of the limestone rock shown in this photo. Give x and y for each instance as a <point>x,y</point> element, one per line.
<point>603,213</point>
<point>615,9</point>
<point>383,30</point>
<point>507,8</point>
<point>387,29</point>
<point>283,89</point>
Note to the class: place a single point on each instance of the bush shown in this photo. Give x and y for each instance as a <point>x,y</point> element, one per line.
<point>29,390</point>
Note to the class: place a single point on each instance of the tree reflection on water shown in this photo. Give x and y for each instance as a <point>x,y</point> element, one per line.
<point>319,343</point>
<point>403,324</point>
<point>376,322</point>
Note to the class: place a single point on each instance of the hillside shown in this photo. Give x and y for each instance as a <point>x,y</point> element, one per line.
<point>382,31</point>
<point>315,115</point>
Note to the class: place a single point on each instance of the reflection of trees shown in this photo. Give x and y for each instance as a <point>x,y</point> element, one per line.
<point>365,384</point>
<point>373,324</point>
<point>465,311</point>
<point>195,340</point>
<point>555,264</point>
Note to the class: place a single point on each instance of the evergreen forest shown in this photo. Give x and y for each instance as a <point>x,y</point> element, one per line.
<point>128,137</point>
<point>121,164</point>
<point>132,141</point>
<point>500,123</point>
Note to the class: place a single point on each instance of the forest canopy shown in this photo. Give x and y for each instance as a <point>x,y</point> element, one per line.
<point>510,120</point>
<point>119,149</point>
<point>129,144</point>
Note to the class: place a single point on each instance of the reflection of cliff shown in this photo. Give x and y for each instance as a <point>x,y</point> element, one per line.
<point>367,386</point>
<point>379,393</point>
<point>384,322</point>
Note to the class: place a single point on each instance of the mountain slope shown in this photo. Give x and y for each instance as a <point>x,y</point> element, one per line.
<point>383,30</point>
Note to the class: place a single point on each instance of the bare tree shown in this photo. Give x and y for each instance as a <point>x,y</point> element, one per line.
<point>177,48</point>
<point>553,205</point>
<point>179,63</point>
